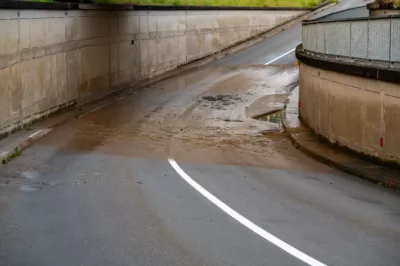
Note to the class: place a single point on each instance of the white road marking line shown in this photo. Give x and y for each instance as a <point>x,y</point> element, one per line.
<point>244,221</point>
<point>279,57</point>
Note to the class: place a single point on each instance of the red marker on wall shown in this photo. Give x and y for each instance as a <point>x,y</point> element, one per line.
<point>381,142</point>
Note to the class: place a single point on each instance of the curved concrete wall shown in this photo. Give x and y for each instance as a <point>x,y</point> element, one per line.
<point>50,59</point>
<point>359,113</point>
<point>361,38</point>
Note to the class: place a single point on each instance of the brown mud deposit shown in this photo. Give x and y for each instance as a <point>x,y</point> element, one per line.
<point>199,116</point>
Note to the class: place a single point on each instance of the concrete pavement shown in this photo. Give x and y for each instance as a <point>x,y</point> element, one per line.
<point>99,190</point>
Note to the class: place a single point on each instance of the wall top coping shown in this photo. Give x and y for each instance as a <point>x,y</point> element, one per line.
<point>348,67</point>
<point>15,4</point>
<point>319,21</point>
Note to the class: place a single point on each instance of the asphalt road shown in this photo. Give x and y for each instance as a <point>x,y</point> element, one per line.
<point>100,190</point>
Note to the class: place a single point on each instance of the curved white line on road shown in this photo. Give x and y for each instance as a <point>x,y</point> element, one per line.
<point>279,57</point>
<point>243,220</point>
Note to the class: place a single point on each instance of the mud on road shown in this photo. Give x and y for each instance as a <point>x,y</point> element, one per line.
<point>204,115</point>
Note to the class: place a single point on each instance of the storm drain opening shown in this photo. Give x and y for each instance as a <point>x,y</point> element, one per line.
<point>273,117</point>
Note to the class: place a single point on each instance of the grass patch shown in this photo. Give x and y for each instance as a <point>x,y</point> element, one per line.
<point>251,3</point>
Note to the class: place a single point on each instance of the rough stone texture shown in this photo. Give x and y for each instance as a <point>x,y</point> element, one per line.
<point>359,39</point>
<point>379,40</point>
<point>50,59</point>
<point>376,39</point>
<point>395,40</point>
<point>352,111</point>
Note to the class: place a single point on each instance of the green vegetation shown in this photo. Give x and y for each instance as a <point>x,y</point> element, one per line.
<point>388,4</point>
<point>252,3</point>
<point>15,153</point>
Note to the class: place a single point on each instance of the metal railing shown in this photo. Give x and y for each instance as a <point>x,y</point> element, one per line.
<point>361,38</point>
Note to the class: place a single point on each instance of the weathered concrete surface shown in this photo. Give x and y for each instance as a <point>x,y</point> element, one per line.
<point>51,59</point>
<point>356,38</point>
<point>355,112</point>
<point>307,141</point>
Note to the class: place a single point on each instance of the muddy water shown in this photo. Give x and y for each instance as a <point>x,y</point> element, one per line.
<point>199,116</point>
<point>274,117</point>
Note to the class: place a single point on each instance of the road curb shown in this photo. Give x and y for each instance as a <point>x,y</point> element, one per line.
<point>5,156</point>
<point>385,176</point>
<point>49,124</point>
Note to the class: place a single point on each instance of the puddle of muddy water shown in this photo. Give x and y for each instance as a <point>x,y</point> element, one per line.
<point>274,117</point>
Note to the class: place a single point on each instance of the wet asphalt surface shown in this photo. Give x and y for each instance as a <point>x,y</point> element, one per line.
<point>99,190</point>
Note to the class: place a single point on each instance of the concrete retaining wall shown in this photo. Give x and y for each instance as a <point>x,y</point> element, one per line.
<point>358,38</point>
<point>359,113</point>
<point>49,59</point>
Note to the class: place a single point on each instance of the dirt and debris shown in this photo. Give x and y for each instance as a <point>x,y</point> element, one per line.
<point>225,98</point>
<point>200,115</point>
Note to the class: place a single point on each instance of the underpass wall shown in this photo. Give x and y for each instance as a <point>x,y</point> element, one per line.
<point>355,112</point>
<point>50,59</point>
<point>349,83</point>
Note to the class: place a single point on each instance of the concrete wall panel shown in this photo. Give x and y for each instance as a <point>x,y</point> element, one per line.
<point>12,35</point>
<point>324,117</point>
<point>14,90</point>
<point>72,64</point>
<point>339,39</point>
<point>152,55</point>
<point>25,39</point>
<point>38,32</point>
<point>313,106</point>
<point>331,37</point>
<point>379,41</point>
<point>359,39</point>
<point>395,40</point>
<point>128,24</point>
<point>4,95</point>
<point>354,111</point>
<point>338,111</point>
<point>392,126</point>
<point>125,55</point>
<point>373,122</point>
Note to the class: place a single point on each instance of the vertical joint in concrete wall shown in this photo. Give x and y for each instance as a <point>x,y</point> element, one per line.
<point>382,129</point>
<point>66,57</point>
<point>19,71</point>
<point>390,41</point>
